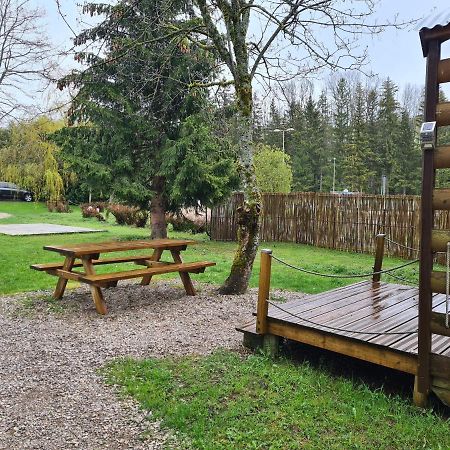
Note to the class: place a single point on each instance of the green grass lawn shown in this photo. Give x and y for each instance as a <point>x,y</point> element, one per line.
<point>18,252</point>
<point>228,401</point>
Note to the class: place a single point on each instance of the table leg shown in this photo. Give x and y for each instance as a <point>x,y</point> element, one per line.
<point>185,278</point>
<point>62,282</point>
<point>96,292</point>
<point>155,257</point>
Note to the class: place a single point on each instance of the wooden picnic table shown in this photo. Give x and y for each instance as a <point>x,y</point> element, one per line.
<point>87,256</point>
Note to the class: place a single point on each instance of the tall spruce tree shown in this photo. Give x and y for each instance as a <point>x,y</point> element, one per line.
<point>388,129</point>
<point>356,171</point>
<point>341,122</point>
<point>406,165</point>
<point>136,94</point>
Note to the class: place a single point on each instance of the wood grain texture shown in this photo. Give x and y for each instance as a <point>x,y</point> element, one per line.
<point>441,199</point>
<point>62,282</point>
<point>152,262</point>
<point>263,291</point>
<point>184,275</point>
<point>442,157</point>
<point>101,279</point>
<point>444,71</point>
<point>141,260</point>
<point>96,292</point>
<point>106,247</point>
<point>443,114</point>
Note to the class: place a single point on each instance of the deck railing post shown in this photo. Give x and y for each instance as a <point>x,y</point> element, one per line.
<point>379,254</point>
<point>263,292</point>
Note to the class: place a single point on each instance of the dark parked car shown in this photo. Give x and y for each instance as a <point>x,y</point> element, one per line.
<point>14,192</point>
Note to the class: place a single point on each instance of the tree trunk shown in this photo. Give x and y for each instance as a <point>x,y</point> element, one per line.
<point>158,209</point>
<point>248,215</point>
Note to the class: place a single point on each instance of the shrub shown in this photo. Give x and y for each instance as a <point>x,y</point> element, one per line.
<point>128,215</point>
<point>187,220</point>
<point>93,210</point>
<point>58,206</point>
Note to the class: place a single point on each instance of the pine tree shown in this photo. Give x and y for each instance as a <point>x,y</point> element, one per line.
<point>341,119</point>
<point>356,171</point>
<point>388,129</point>
<point>310,158</point>
<point>405,177</point>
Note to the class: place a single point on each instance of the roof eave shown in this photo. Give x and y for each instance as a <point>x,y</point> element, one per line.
<point>440,33</point>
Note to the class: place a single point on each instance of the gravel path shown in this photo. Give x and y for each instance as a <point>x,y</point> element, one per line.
<point>51,396</point>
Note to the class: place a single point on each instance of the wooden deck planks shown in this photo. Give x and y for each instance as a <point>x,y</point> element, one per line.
<point>364,307</point>
<point>343,312</point>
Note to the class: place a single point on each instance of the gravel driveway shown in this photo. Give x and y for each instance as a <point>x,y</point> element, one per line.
<point>51,396</point>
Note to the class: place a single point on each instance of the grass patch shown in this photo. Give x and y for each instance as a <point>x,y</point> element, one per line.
<point>18,252</point>
<point>228,401</point>
<point>31,303</point>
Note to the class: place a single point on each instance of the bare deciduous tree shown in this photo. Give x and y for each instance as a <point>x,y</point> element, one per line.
<point>274,41</point>
<point>25,61</point>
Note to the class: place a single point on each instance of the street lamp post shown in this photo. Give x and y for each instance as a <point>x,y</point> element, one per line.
<point>283,131</point>
<point>334,174</point>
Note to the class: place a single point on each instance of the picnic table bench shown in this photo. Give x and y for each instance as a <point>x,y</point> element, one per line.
<point>87,256</point>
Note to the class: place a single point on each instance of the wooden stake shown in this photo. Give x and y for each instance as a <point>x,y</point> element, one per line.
<point>263,292</point>
<point>379,253</point>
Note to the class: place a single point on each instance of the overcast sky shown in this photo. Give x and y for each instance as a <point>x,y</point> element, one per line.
<point>396,53</point>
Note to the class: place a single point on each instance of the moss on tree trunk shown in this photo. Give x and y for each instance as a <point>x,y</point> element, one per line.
<point>248,214</point>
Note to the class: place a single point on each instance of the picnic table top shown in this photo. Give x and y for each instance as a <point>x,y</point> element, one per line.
<point>105,247</point>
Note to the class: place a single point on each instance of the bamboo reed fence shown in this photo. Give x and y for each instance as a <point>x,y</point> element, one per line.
<point>341,222</point>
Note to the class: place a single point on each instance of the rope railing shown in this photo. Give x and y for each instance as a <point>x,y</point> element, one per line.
<point>343,330</point>
<point>363,275</point>
<point>403,280</point>
<point>402,245</point>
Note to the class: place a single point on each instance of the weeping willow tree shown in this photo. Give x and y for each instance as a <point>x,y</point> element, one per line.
<point>30,160</point>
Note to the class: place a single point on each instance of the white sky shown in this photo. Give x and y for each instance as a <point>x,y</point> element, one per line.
<point>396,53</point>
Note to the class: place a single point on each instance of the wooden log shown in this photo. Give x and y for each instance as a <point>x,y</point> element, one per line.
<point>443,114</point>
<point>439,239</point>
<point>438,282</point>
<point>441,199</point>
<point>441,387</point>
<point>263,291</point>
<point>444,71</point>
<point>379,253</point>
<point>438,324</point>
<point>442,157</point>
<point>440,366</point>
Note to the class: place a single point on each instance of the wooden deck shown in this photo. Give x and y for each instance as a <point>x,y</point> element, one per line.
<point>363,320</point>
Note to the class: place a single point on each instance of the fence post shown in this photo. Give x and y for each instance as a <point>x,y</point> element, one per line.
<point>263,292</point>
<point>379,253</point>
